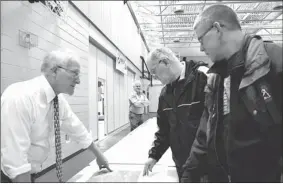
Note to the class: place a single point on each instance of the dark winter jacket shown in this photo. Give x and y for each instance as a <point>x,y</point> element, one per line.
<point>251,138</point>
<point>178,116</point>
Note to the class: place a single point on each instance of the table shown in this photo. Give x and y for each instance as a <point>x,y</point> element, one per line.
<point>127,158</point>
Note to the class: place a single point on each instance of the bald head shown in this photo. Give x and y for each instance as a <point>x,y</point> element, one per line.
<point>219,13</point>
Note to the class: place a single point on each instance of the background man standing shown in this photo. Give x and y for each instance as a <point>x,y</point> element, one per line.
<point>138,101</point>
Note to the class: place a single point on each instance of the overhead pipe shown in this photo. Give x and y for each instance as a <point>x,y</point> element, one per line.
<point>145,23</point>
<point>212,3</point>
<point>137,24</point>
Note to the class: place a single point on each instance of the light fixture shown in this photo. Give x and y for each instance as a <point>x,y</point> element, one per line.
<point>179,9</point>
<point>279,7</point>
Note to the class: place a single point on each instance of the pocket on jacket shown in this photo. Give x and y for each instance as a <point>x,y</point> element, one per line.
<point>257,108</point>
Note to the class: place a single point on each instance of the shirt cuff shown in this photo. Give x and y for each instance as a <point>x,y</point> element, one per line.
<point>12,173</point>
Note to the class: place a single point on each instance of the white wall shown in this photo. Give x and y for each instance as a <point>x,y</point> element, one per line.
<point>93,125</point>
<point>115,21</point>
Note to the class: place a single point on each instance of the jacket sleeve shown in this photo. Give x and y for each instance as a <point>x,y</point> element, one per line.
<point>195,165</point>
<point>161,142</point>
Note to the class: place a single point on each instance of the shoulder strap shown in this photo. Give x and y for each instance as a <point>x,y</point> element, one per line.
<point>264,88</point>
<point>274,52</point>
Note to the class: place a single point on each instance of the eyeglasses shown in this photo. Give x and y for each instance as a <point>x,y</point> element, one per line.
<point>201,37</point>
<point>75,74</point>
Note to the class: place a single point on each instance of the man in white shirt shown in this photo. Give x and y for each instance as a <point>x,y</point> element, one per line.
<point>138,101</point>
<point>27,112</point>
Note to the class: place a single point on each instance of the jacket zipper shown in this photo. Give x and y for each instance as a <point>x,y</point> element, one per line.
<point>217,115</point>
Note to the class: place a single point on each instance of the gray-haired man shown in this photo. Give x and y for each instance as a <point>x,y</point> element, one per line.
<point>138,101</point>
<point>180,106</point>
<point>33,111</point>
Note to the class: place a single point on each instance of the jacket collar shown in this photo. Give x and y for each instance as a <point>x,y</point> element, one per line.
<point>226,66</point>
<point>191,67</point>
<point>257,62</point>
<point>188,72</point>
<point>252,57</point>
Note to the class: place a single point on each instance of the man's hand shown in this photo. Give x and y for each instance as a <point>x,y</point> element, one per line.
<point>148,166</point>
<point>103,163</point>
<point>100,158</point>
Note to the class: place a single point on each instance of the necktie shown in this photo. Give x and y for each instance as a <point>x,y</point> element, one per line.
<point>57,140</point>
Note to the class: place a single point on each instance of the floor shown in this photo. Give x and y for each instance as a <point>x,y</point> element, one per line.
<point>80,161</point>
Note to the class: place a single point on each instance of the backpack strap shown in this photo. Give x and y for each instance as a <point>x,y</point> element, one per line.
<point>274,52</point>
<point>264,88</point>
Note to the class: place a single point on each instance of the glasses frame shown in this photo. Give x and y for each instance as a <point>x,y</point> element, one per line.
<point>153,71</point>
<point>201,37</point>
<point>75,74</point>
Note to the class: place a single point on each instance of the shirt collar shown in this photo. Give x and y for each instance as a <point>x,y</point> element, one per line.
<point>182,75</point>
<point>48,90</point>
<point>183,72</point>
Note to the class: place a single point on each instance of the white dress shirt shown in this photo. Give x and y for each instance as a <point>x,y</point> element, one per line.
<point>27,128</point>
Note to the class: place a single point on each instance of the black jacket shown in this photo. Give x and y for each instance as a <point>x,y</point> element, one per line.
<point>251,139</point>
<point>178,115</point>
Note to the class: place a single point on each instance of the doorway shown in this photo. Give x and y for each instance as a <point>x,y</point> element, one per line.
<point>101,106</point>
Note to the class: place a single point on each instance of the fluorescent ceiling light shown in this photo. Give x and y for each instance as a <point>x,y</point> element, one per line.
<point>280,7</point>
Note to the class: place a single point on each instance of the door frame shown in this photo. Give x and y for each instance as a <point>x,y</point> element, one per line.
<point>105,106</point>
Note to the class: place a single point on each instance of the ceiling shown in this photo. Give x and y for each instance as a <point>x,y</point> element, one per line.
<point>169,23</point>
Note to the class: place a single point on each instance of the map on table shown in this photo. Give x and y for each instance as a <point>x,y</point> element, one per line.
<point>133,173</point>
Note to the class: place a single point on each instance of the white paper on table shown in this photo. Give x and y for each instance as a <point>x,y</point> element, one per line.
<point>158,174</point>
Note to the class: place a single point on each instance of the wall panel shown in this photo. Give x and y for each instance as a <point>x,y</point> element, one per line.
<point>116,100</point>
<point>93,52</point>
<point>101,65</point>
<point>110,95</point>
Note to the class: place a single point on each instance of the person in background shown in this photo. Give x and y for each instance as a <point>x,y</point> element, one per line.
<point>99,90</point>
<point>179,108</point>
<point>241,127</point>
<point>33,112</point>
<point>138,101</point>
